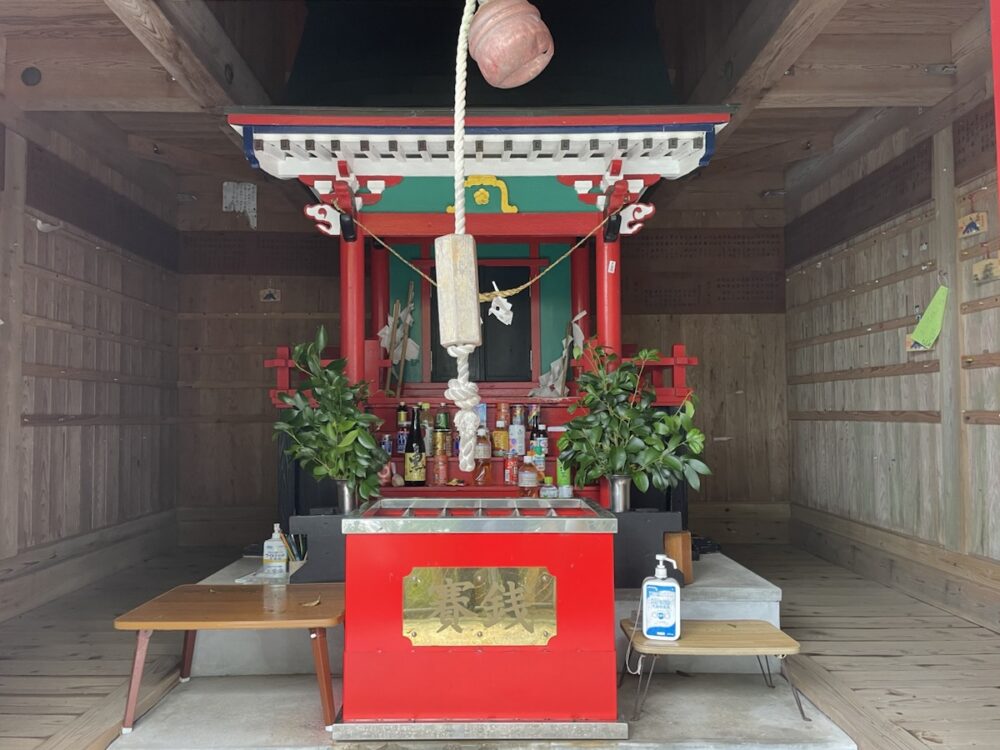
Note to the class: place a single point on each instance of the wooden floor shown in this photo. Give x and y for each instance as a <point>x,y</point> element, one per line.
<point>893,672</point>
<point>64,670</point>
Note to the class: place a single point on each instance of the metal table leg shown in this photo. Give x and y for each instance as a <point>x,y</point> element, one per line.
<point>621,676</point>
<point>766,674</point>
<point>640,692</point>
<point>795,691</point>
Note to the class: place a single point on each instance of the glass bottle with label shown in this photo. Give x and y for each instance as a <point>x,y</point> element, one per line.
<point>527,479</point>
<point>415,455</point>
<point>483,473</point>
<point>501,440</point>
<point>402,427</point>
<point>425,426</point>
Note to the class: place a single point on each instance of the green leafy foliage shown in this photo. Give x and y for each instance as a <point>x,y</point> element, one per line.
<point>621,432</point>
<point>331,433</point>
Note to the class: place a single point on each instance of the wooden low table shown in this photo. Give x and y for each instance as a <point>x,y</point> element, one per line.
<point>711,638</point>
<point>312,606</point>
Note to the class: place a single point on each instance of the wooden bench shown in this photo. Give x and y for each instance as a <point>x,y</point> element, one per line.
<point>711,638</point>
<point>311,606</point>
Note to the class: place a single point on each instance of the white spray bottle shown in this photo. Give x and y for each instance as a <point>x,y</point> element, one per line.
<point>275,556</point>
<point>661,604</point>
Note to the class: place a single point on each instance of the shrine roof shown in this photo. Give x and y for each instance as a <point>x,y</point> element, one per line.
<point>657,142</point>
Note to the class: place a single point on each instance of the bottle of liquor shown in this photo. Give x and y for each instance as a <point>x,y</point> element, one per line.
<point>501,440</point>
<point>402,427</point>
<point>483,473</point>
<point>543,440</point>
<point>527,479</point>
<point>516,432</point>
<point>415,455</point>
<point>533,435</point>
<point>425,424</point>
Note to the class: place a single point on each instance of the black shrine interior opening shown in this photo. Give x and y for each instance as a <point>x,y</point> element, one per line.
<point>505,355</point>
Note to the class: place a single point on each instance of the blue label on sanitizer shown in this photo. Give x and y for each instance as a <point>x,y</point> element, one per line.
<point>660,614</point>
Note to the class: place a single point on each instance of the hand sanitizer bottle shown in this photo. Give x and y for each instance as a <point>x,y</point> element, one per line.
<point>661,604</point>
<point>275,561</point>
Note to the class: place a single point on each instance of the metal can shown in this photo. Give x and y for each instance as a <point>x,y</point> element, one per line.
<point>511,465</point>
<point>439,474</point>
<point>442,442</point>
<point>503,412</point>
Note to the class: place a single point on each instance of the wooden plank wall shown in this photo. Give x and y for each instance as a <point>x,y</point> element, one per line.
<point>227,459</point>
<point>741,409</point>
<point>720,291</point>
<point>100,371</point>
<point>89,445</point>
<point>894,455</point>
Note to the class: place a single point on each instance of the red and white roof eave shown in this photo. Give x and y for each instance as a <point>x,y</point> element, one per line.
<point>304,146</point>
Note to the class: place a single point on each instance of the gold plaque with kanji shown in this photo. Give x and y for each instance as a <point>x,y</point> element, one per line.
<point>479,606</point>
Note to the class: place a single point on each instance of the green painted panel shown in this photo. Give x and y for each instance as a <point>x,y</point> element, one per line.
<point>399,278</point>
<point>493,251</point>
<point>435,194</point>
<point>556,305</point>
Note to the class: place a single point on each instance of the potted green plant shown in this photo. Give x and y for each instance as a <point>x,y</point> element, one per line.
<point>330,432</point>
<point>622,437</point>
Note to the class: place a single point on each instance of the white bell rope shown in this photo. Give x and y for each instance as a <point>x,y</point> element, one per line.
<point>462,391</point>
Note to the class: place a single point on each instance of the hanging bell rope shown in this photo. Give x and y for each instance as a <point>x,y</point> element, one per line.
<point>455,259</point>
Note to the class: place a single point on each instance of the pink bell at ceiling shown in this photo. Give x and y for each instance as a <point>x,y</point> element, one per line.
<point>510,42</point>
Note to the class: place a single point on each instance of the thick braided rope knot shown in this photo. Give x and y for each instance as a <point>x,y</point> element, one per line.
<point>465,394</point>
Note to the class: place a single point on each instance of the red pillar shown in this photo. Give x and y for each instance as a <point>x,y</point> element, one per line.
<point>379,288</point>
<point>580,286</point>
<point>352,306</point>
<point>609,294</point>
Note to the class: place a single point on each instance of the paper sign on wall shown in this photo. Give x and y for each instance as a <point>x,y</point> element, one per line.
<point>986,270</point>
<point>972,224</point>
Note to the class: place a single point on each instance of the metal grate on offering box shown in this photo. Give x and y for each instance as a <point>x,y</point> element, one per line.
<point>410,515</point>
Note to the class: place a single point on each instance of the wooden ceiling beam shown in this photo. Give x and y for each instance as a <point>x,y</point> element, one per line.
<point>188,41</point>
<point>864,132</point>
<point>187,160</point>
<point>88,74</point>
<point>889,70</point>
<point>773,157</point>
<point>769,38</point>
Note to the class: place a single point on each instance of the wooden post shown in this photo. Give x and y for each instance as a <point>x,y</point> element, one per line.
<point>352,306</point>
<point>321,657</point>
<point>609,294</point>
<point>995,44</point>
<point>954,453</point>
<point>379,287</point>
<point>11,286</point>
<point>580,286</point>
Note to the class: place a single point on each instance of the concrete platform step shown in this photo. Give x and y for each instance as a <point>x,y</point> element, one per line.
<point>697,712</point>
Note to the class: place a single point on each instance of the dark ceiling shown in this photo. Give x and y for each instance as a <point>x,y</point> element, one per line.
<point>401,53</point>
